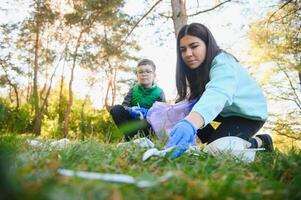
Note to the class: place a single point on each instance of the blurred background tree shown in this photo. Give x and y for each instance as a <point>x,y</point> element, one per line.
<point>275,42</point>
<point>63,35</point>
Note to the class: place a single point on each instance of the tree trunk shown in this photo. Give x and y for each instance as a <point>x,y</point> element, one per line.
<point>17,97</point>
<point>111,87</point>
<point>179,15</point>
<point>70,100</point>
<point>82,120</point>
<point>29,85</point>
<point>107,106</point>
<point>300,80</point>
<point>37,124</point>
<point>60,109</point>
<point>44,105</point>
<point>43,93</point>
<point>114,90</point>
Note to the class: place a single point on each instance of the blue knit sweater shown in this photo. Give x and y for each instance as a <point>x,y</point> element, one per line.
<point>231,92</point>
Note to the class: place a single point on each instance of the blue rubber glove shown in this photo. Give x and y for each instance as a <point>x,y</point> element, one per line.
<point>143,111</point>
<point>138,113</point>
<point>182,136</point>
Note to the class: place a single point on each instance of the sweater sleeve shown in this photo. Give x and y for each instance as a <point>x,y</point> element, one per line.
<point>128,99</point>
<point>219,91</point>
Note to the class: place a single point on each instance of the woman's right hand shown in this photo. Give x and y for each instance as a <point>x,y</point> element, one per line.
<point>181,136</point>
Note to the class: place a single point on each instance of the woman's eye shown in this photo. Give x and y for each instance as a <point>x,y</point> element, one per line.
<point>194,46</point>
<point>182,50</point>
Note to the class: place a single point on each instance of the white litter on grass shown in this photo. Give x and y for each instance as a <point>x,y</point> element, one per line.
<point>193,150</point>
<point>155,152</point>
<point>117,178</point>
<point>140,142</point>
<point>59,144</point>
<point>35,143</point>
<point>230,145</point>
<point>233,146</point>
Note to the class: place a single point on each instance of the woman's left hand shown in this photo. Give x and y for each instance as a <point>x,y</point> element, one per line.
<point>182,136</point>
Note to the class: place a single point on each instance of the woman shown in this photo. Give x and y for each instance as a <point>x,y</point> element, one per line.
<point>225,91</point>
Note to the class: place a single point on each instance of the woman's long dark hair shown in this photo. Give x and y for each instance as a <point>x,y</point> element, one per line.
<point>195,79</point>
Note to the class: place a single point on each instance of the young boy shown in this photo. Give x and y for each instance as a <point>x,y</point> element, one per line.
<point>130,116</point>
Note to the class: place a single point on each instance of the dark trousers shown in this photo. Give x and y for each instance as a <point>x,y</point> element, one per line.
<point>230,126</point>
<point>127,125</point>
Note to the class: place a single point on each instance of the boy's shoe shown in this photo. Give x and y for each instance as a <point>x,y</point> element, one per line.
<point>267,142</point>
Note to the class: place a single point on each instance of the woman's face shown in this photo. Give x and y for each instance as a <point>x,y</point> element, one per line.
<point>145,75</point>
<point>193,51</point>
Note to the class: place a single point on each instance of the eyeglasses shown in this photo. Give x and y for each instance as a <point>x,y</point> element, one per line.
<point>144,72</point>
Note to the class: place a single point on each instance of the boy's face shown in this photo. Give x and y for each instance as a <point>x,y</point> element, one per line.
<point>145,75</point>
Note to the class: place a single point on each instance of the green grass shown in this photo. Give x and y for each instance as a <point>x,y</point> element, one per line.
<point>31,173</point>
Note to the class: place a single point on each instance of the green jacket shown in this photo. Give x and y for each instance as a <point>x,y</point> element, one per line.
<point>143,97</point>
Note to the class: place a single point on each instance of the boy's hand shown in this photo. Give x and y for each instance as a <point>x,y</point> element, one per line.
<point>138,113</point>
<point>182,136</point>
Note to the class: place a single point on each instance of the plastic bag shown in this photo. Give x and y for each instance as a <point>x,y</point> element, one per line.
<point>163,117</point>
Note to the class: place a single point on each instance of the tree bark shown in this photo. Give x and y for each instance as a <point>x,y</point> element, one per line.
<point>29,85</point>
<point>37,124</point>
<point>111,86</point>
<point>70,100</point>
<point>60,109</point>
<point>114,87</point>
<point>299,80</point>
<point>78,42</point>
<point>179,15</point>
<point>107,106</point>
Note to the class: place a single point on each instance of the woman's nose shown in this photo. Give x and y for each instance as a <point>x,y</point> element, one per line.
<point>188,52</point>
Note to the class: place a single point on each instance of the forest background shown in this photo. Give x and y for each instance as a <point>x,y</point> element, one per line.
<point>64,64</point>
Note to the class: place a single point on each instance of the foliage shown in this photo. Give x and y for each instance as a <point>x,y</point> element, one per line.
<point>33,173</point>
<point>91,123</point>
<point>4,114</point>
<point>276,38</point>
<point>16,121</point>
<point>85,120</point>
<point>87,34</point>
<point>276,42</point>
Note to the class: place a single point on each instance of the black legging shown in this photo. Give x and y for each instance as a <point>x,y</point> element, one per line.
<point>230,126</point>
<point>127,125</point>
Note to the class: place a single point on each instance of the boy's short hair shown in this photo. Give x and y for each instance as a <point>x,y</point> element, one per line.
<point>147,62</point>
